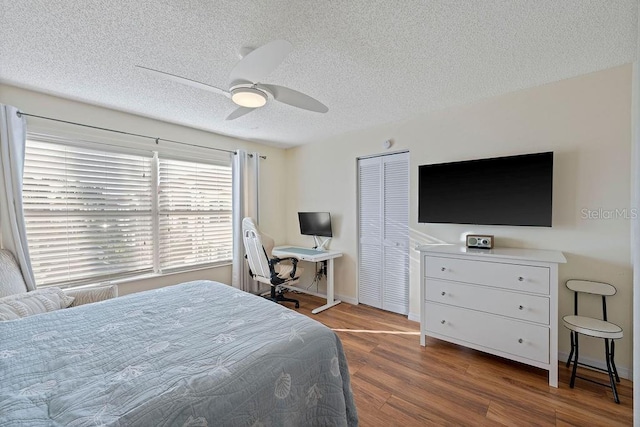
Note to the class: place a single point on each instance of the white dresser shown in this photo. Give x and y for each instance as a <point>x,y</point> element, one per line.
<point>502,301</point>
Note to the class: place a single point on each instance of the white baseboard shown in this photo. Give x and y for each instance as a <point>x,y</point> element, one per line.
<point>414,316</point>
<point>342,298</point>
<point>348,300</point>
<point>623,371</point>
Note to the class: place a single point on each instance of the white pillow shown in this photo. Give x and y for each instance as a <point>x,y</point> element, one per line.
<point>34,302</point>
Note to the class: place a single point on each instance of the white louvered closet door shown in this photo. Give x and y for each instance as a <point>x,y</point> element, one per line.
<point>395,217</point>
<point>384,232</point>
<point>370,232</point>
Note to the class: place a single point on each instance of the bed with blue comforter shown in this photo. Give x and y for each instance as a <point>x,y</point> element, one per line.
<point>196,354</point>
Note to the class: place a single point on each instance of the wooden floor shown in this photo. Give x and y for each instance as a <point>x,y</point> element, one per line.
<point>396,382</point>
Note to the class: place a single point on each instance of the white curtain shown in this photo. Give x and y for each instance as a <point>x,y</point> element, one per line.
<point>13,136</point>
<point>246,180</point>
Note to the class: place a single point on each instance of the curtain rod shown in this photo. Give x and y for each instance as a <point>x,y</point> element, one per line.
<point>157,140</point>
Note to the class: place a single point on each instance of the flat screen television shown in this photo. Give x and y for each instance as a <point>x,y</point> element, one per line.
<point>514,190</point>
<point>315,224</point>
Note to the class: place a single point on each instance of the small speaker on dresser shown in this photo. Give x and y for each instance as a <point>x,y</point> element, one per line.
<point>479,241</point>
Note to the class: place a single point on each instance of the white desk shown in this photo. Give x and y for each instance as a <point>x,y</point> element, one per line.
<point>311,255</point>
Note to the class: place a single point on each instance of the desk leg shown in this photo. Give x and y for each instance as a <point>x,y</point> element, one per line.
<point>330,301</point>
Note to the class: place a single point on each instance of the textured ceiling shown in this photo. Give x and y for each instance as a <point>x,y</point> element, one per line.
<point>370,62</point>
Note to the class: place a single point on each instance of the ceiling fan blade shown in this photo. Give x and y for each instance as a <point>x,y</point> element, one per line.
<point>295,98</point>
<point>239,112</point>
<point>185,81</point>
<point>261,62</point>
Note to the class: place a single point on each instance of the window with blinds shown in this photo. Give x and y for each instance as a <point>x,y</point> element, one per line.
<point>194,213</point>
<point>93,215</point>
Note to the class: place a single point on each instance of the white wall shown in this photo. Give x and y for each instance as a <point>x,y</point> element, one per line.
<point>272,169</point>
<point>585,121</point>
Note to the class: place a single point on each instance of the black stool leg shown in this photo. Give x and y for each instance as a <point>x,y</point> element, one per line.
<point>575,362</point>
<point>613,363</point>
<point>611,379</point>
<point>571,353</point>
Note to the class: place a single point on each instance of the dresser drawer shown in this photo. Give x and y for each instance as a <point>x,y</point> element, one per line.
<point>524,278</point>
<point>533,308</point>
<point>490,331</point>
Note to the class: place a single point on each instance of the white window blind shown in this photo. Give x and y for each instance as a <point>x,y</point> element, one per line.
<point>195,225</point>
<point>94,215</point>
<point>88,213</point>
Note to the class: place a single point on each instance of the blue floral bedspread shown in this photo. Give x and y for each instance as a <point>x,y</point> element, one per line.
<point>196,354</point>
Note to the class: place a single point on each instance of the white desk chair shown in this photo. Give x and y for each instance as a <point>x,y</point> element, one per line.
<point>592,327</point>
<point>266,268</point>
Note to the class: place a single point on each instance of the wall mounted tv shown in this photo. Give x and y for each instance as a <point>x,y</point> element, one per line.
<point>514,190</point>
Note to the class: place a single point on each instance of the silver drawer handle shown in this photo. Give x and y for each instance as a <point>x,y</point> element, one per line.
<point>520,340</point>
<point>443,269</point>
<point>521,278</point>
<point>521,307</point>
<point>443,321</point>
<point>443,293</point>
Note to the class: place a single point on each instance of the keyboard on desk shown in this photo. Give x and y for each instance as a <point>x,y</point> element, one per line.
<point>301,251</point>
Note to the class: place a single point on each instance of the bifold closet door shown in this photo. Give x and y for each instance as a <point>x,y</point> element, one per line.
<point>395,235</point>
<point>383,264</point>
<point>370,232</point>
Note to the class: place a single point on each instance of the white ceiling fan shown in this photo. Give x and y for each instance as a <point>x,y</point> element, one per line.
<point>246,88</point>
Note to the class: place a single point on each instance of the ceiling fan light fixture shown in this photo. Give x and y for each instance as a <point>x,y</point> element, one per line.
<point>249,97</point>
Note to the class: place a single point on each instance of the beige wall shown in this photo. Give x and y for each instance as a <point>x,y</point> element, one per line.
<point>585,121</point>
<point>272,169</point>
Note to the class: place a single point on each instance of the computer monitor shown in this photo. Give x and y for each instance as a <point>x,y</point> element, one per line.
<point>315,224</point>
